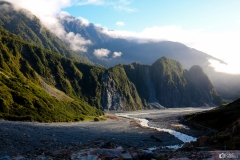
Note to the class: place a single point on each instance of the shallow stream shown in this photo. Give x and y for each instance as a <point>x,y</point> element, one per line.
<point>145,122</point>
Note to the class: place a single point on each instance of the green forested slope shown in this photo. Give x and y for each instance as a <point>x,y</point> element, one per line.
<point>30,73</point>
<point>225,119</point>
<point>30,77</point>
<point>21,94</point>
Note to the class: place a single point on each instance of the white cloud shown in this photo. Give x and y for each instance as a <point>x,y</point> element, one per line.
<point>37,7</point>
<point>117,54</point>
<point>238,22</point>
<point>101,53</point>
<point>47,11</point>
<point>224,46</point>
<point>232,68</point>
<point>88,2</point>
<point>77,42</point>
<point>120,24</point>
<point>84,21</point>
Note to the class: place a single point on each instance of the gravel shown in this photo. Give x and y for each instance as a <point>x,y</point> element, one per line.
<point>33,138</point>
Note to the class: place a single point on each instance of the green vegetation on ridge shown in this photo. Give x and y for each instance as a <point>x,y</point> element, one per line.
<point>225,119</point>
<point>127,89</point>
<point>21,93</point>
<point>28,72</point>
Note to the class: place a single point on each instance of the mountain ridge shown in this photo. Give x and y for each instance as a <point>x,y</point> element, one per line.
<point>166,81</point>
<point>147,53</point>
<point>87,89</point>
<point>86,85</point>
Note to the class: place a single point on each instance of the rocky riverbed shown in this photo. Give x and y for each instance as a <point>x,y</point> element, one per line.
<point>62,140</point>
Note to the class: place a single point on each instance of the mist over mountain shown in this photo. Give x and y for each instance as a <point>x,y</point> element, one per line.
<point>31,53</point>
<point>132,51</point>
<point>23,23</point>
<point>38,84</point>
<point>147,52</point>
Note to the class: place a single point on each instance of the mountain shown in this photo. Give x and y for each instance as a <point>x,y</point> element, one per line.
<point>28,75</point>
<point>227,85</point>
<point>43,80</point>
<point>132,51</point>
<point>29,27</point>
<point>23,23</point>
<point>166,82</point>
<point>35,81</point>
<point>226,120</point>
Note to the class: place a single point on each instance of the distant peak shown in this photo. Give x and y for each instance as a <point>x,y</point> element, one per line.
<point>196,68</point>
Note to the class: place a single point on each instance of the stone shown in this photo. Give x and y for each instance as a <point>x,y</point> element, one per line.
<point>135,156</point>
<point>187,147</point>
<point>107,145</point>
<point>125,156</point>
<point>147,154</point>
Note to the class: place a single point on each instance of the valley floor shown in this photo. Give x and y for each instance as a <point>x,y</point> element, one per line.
<point>33,138</point>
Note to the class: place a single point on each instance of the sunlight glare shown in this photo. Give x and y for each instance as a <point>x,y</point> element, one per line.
<point>229,68</point>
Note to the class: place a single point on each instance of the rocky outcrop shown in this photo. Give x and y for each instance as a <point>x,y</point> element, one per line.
<point>118,92</point>
<point>111,99</point>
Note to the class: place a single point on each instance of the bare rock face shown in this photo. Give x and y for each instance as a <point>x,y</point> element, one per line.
<point>111,99</point>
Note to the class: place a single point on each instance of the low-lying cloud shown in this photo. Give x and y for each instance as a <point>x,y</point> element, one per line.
<point>117,54</point>
<point>101,53</point>
<point>84,21</point>
<point>222,45</point>
<point>50,14</point>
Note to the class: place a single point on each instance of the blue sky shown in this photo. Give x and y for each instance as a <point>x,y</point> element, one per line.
<point>212,16</point>
<point>211,26</point>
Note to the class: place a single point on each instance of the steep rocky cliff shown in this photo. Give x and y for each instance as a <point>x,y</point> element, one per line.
<point>118,92</point>
<point>111,99</point>
<point>167,83</point>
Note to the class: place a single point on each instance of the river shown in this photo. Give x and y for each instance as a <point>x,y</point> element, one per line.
<point>164,120</point>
